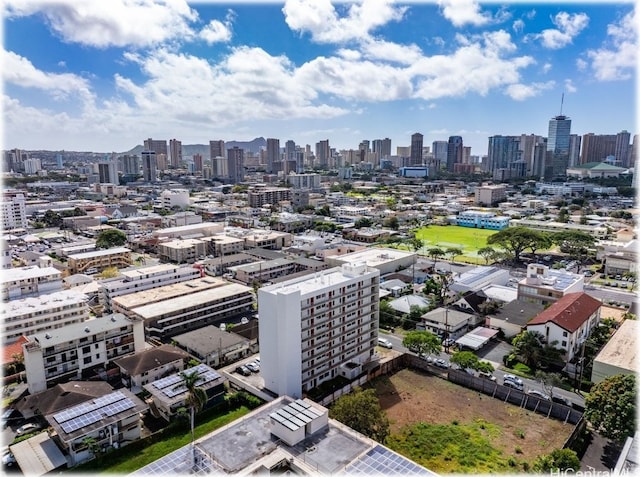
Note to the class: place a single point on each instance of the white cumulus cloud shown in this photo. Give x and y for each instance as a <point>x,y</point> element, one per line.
<point>102,24</point>
<point>463,12</point>
<point>618,57</point>
<point>568,26</point>
<point>520,92</point>
<point>324,23</point>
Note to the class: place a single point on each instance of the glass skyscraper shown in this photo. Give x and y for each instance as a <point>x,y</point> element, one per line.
<point>558,144</point>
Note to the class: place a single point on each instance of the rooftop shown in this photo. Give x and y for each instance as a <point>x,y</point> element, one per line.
<point>248,445</point>
<point>208,339</point>
<point>99,253</point>
<point>569,312</point>
<point>24,273</point>
<point>167,292</point>
<point>621,350</point>
<point>375,256</point>
<point>41,303</point>
<point>73,331</point>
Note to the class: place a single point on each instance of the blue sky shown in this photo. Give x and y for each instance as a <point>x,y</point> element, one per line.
<point>104,75</point>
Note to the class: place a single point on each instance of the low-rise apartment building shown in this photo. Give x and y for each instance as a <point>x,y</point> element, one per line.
<point>568,322</point>
<point>169,395</point>
<point>317,327</point>
<point>260,196</point>
<point>387,260</point>
<point>25,281</point>
<point>182,250</point>
<point>96,261</point>
<point>174,309</point>
<point>76,350</point>
<point>544,285</point>
<point>145,278</point>
<point>41,313</point>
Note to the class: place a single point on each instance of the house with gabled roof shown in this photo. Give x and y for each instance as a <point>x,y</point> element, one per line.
<point>568,322</point>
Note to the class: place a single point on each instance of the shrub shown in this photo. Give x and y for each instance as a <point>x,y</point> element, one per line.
<point>518,450</point>
<point>523,368</point>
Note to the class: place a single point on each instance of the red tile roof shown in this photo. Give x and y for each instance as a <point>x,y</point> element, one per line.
<point>11,349</point>
<point>569,312</point>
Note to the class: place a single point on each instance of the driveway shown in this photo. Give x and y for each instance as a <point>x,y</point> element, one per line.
<point>494,351</point>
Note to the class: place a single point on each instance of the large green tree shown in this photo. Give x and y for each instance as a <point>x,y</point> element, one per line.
<point>453,252</point>
<point>422,342</point>
<point>468,360</point>
<point>610,407</point>
<point>516,240</point>
<point>488,253</point>
<point>111,238</point>
<point>548,381</point>
<point>435,253</point>
<point>360,410</point>
<point>575,243</point>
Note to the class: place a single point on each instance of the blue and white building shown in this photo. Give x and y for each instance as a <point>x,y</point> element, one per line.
<point>482,220</point>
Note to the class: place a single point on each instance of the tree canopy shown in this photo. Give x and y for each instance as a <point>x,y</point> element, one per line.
<point>516,240</point>
<point>422,342</point>
<point>610,407</point>
<point>468,360</point>
<point>557,461</point>
<point>575,243</point>
<point>111,238</point>
<point>361,411</point>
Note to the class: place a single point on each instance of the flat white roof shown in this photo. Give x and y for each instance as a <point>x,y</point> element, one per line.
<point>38,455</point>
<point>141,272</point>
<point>167,292</point>
<point>99,253</point>
<point>621,350</point>
<point>181,243</point>
<point>312,283</point>
<point>186,301</point>
<point>500,292</point>
<point>24,273</point>
<point>29,305</point>
<point>374,256</point>
<point>73,331</point>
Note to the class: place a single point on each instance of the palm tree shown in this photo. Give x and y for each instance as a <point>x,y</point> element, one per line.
<point>196,399</point>
<point>528,347</point>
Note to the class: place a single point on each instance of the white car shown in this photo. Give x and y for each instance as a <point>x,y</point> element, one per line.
<point>385,343</point>
<point>28,428</point>
<point>515,379</point>
<point>539,394</point>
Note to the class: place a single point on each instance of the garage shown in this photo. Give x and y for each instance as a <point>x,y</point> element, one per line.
<point>38,455</point>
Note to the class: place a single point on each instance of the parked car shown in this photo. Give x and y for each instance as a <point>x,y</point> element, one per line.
<point>488,376</point>
<point>385,343</point>
<point>9,415</point>
<point>539,394</point>
<point>448,342</point>
<point>8,459</point>
<point>253,366</point>
<point>28,428</point>
<point>243,370</point>
<point>515,379</point>
<point>441,363</point>
<point>561,400</point>
<point>513,384</point>
<point>428,359</point>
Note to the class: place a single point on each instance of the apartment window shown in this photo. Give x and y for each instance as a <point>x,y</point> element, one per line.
<point>564,344</point>
<point>565,334</point>
<point>87,360</point>
<point>86,349</point>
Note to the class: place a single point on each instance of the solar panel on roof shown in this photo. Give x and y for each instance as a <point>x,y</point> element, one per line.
<point>166,382</point>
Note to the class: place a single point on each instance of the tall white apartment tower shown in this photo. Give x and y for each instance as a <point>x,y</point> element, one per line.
<point>314,328</point>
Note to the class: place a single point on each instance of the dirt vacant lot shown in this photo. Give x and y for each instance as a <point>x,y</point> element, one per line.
<point>410,397</point>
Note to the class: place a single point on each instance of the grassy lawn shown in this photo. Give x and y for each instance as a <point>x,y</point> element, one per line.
<point>133,457</point>
<point>451,236</point>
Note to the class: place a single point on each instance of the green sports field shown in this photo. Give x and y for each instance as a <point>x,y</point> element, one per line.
<point>451,236</point>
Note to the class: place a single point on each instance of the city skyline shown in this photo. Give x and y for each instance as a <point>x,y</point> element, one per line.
<point>308,71</point>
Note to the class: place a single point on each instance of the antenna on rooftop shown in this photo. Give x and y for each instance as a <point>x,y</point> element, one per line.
<point>561,103</point>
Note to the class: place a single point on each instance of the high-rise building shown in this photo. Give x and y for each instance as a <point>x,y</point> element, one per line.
<point>528,143</point>
<point>596,147</point>
<point>454,152</point>
<point>623,149</point>
<point>130,164</point>
<point>416,150</point>
<point>59,162</point>
<point>32,165</point>
<point>503,152</point>
<point>14,210</point>
<point>157,146</point>
<point>149,166</point>
<point>216,149</point>
<point>439,150</point>
<point>312,328</point>
<point>235,164</point>
<point>175,148</point>
<point>273,153</point>
<point>382,147</point>
<point>323,153</point>
<point>197,162</point>
<point>558,144</point>
<point>108,172</point>
<point>574,149</point>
